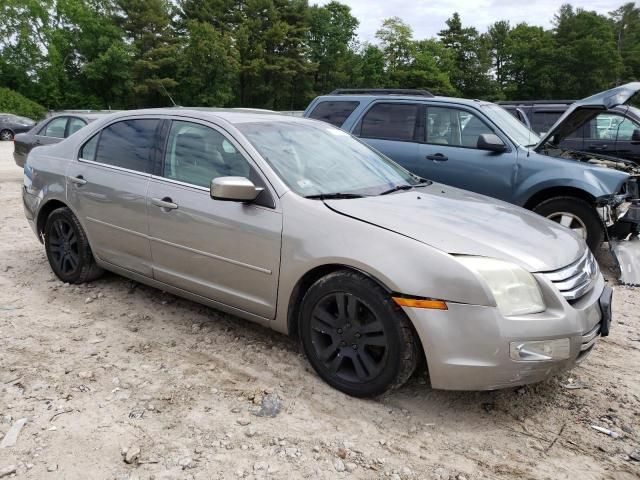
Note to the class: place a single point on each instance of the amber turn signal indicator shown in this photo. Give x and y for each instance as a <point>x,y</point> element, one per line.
<point>420,303</point>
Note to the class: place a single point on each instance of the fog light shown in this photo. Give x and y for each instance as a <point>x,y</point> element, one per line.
<point>540,350</point>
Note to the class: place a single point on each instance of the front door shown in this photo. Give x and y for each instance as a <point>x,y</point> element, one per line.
<point>228,252</point>
<point>107,188</point>
<point>450,155</point>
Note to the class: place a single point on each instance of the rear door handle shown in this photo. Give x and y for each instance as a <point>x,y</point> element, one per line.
<point>165,202</point>
<point>79,180</point>
<point>438,157</point>
<point>598,147</point>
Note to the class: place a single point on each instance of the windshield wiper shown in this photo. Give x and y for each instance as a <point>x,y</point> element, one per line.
<point>333,196</point>
<point>398,188</point>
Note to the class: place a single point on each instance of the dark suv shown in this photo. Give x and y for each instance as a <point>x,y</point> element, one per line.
<point>609,133</point>
<point>479,146</point>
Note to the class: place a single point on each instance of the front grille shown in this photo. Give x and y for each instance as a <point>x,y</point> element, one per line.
<point>575,280</point>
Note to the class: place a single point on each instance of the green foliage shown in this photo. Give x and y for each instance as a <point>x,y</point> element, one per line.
<point>13,102</point>
<point>281,53</point>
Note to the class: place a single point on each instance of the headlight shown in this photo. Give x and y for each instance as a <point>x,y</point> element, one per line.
<point>515,290</point>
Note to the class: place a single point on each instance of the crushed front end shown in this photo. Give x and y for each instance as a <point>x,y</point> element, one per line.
<point>621,216</point>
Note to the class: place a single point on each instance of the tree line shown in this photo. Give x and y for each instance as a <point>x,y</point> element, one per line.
<point>279,54</point>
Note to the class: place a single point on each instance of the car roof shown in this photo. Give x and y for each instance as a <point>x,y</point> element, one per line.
<point>413,98</point>
<point>231,115</point>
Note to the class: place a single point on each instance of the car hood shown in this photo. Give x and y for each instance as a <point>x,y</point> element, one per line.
<point>582,111</point>
<point>460,222</point>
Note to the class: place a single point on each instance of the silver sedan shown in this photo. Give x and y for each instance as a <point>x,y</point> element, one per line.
<point>299,226</point>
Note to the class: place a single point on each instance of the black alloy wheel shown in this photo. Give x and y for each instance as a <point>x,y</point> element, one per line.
<point>355,336</point>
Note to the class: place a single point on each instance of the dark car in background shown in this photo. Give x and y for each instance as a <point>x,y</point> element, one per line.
<point>49,131</point>
<point>609,133</point>
<point>11,125</point>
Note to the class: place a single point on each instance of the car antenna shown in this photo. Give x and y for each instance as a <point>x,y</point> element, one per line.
<point>167,94</point>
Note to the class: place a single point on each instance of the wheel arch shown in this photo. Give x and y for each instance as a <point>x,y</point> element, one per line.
<point>44,212</point>
<point>559,191</point>
<point>305,282</point>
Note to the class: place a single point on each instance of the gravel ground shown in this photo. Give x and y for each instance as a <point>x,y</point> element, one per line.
<point>120,381</point>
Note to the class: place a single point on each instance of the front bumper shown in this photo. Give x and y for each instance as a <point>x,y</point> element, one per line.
<point>467,346</point>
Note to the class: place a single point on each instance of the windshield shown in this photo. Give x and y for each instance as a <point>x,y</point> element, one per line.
<point>319,159</point>
<point>514,128</point>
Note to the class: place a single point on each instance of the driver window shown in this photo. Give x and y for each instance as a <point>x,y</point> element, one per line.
<point>197,154</point>
<point>625,130</point>
<point>453,127</point>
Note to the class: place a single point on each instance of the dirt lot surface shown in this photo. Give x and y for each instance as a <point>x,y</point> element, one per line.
<point>111,367</point>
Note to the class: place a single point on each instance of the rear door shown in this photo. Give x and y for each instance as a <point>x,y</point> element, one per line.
<point>392,128</point>
<point>225,251</point>
<point>450,155</point>
<point>107,187</point>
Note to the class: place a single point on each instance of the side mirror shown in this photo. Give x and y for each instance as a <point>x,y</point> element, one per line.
<point>491,142</point>
<point>234,189</point>
<point>635,136</point>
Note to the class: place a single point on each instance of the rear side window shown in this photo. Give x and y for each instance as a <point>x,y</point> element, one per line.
<point>334,112</point>
<point>543,121</point>
<point>390,121</point>
<point>128,144</point>
<point>55,128</point>
<point>75,124</point>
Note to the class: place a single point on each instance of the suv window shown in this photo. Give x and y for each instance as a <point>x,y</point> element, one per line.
<point>542,121</point>
<point>453,127</point>
<point>333,112</point>
<point>55,128</point>
<point>197,154</point>
<point>128,144</point>
<point>604,126</point>
<point>625,129</point>
<point>390,121</point>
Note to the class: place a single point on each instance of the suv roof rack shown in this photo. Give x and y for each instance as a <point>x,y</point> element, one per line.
<point>381,91</point>
<point>535,102</point>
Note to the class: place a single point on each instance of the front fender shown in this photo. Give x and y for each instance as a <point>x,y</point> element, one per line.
<point>315,236</point>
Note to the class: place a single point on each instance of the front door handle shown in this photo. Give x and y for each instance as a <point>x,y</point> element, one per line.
<point>598,147</point>
<point>165,202</point>
<point>79,180</point>
<point>438,157</point>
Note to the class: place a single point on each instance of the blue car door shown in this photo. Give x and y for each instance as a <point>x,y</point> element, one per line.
<point>449,153</point>
<point>390,128</point>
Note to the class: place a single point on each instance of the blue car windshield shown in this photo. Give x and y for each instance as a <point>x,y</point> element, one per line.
<point>316,159</point>
<point>511,126</point>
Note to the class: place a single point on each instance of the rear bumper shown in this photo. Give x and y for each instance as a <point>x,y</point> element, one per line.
<point>468,346</point>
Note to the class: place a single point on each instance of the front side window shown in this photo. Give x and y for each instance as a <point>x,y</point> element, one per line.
<point>197,154</point>
<point>128,144</point>
<point>390,121</point>
<point>604,126</point>
<point>75,124</point>
<point>333,112</point>
<point>316,159</point>
<point>453,127</point>
<point>625,130</point>
<point>56,127</point>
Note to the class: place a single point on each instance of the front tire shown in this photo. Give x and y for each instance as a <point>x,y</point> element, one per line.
<point>68,249</point>
<point>355,337</point>
<point>576,214</point>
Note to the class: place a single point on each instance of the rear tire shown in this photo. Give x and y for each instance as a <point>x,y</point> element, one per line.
<point>6,135</point>
<point>577,214</point>
<point>355,337</point>
<point>68,249</point>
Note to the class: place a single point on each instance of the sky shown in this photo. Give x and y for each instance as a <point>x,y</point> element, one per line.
<point>427,17</point>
